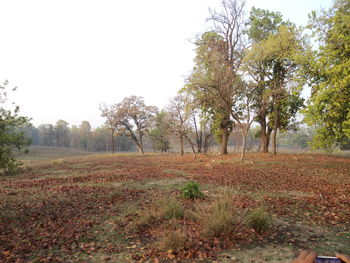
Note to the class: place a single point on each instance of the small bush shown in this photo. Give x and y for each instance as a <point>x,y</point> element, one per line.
<point>171,208</point>
<point>174,240</point>
<point>258,219</point>
<point>191,191</point>
<point>220,220</point>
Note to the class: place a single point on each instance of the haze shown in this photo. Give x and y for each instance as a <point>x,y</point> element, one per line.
<point>67,57</point>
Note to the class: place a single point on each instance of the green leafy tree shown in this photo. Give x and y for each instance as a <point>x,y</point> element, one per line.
<point>219,56</point>
<point>159,135</point>
<point>261,25</point>
<point>11,138</point>
<point>62,134</point>
<point>329,74</point>
<point>46,134</point>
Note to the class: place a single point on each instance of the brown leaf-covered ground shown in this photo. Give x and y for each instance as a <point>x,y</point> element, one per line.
<point>82,209</point>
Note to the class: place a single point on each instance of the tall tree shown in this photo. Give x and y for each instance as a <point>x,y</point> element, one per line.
<point>219,56</point>
<point>11,137</point>
<point>159,135</point>
<point>329,104</point>
<point>261,25</point>
<point>273,65</point>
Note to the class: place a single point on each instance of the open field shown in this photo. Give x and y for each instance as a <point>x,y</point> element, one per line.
<point>129,208</point>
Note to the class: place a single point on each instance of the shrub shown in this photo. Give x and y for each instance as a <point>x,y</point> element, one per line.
<point>191,191</point>
<point>258,219</point>
<point>171,208</point>
<point>174,240</point>
<point>221,219</point>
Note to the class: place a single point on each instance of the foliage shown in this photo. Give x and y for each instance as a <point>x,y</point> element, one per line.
<point>160,133</point>
<point>131,117</point>
<point>329,105</point>
<point>272,64</point>
<point>192,191</point>
<point>11,138</point>
<point>258,219</point>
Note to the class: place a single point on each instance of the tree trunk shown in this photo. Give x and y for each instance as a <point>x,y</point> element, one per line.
<point>141,145</point>
<point>113,146</point>
<point>224,141</point>
<point>274,142</point>
<point>181,145</point>
<point>244,140</point>
<point>275,127</point>
<point>140,149</point>
<point>263,136</point>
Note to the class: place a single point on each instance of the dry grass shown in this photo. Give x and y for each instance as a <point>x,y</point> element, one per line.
<point>173,240</point>
<point>219,219</point>
<point>171,208</point>
<point>258,219</point>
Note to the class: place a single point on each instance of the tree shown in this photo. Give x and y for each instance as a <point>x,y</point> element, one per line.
<point>179,120</point>
<point>329,76</point>
<point>109,111</point>
<point>160,133</point>
<point>11,138</point>
<point>46,134</point>
<point>131,117</point>
<point>85,135</point>
<point>134,118</point>
<point>62,133</point>
<point>219,55</point>
<point>273,65</point>
<point>262,24</point>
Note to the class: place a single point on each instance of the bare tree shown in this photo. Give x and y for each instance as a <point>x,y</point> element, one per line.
<point>179,120</point>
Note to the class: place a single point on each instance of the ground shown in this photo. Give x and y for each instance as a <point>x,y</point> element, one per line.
<point>108,208</point>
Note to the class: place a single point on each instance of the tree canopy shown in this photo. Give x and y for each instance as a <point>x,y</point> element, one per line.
<point>11,138</point>
<point>329,73</point>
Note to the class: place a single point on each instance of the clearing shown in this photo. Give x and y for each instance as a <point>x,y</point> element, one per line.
<point>115,208</point>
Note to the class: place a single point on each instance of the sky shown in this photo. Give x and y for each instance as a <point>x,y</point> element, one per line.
<point>68,56</point>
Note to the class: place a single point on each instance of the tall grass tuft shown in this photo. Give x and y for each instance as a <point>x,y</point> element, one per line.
<point>220,219</point>
<point>258,219</point>
<point>171,208</point>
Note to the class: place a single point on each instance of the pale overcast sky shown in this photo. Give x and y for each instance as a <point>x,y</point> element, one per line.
<point>68,56</point>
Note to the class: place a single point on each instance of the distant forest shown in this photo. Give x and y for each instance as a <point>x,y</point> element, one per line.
<point>83,137</point>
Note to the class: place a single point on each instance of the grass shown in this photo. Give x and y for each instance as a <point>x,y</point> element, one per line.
<point>219,219</point>
<point>258,219</point>
<point>173,241</point>
<point>128,208</point>
<point>171,208</point>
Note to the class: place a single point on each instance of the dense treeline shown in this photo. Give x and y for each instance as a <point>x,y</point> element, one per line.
<point>157,138</point>
<point>81,137</point>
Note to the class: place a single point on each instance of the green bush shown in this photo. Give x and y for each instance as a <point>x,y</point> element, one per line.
<point>191,191</point>
<point>258,219</point>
